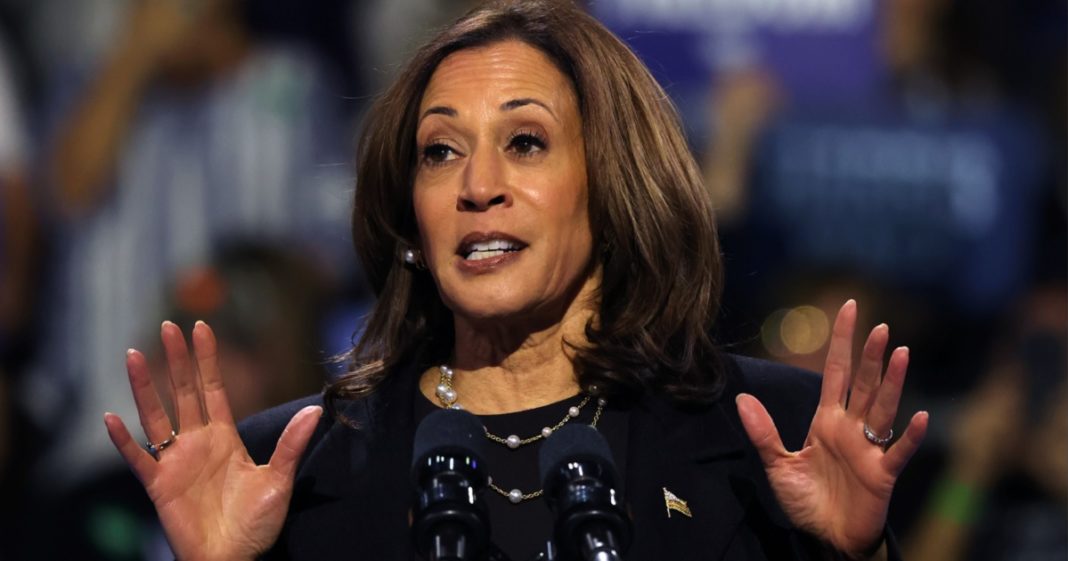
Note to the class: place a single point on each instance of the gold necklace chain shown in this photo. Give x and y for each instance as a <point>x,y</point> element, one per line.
<point>515,496</point>
<point>448,398</point>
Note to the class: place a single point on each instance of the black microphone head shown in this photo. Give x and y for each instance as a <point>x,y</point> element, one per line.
<point>580,487</point>
<point>573,442</point>
<point>448,428</point>
<point>449,519</point>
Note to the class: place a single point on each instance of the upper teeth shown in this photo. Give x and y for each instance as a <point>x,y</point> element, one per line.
<point>491,248</point>
<point>492,245</point>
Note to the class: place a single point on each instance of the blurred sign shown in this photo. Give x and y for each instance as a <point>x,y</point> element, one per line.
<point>822,51</point>
<point>948,206</point>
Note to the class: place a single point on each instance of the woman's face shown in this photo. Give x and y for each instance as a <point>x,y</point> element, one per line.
<point>500,191</point>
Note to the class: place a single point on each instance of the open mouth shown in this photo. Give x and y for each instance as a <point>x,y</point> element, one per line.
<point>492,248</point>
<point>488,247</point>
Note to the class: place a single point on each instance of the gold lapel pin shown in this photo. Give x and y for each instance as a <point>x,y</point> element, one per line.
<point>673,502</point>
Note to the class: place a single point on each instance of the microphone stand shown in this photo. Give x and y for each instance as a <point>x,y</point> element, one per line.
<point>599,544</point>
<point>450,554</point>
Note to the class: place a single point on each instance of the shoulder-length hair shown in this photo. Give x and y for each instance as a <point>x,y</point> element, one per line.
<point>650,215</point>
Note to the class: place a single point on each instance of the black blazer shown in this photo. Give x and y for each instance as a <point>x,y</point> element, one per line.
<point>352,491</point>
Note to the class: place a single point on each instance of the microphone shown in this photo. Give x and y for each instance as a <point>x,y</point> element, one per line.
<point>449,520</point>
<point>580,486</point>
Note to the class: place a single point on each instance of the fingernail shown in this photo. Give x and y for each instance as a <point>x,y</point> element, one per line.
<point>743,412</point>
<point>130,352</point>
<point>200,322</point>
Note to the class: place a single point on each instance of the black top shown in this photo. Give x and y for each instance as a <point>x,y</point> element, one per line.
<point>531,521</point>
<point>352,492</point>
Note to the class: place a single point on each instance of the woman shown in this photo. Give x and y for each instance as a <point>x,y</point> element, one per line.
<point>543,252</point>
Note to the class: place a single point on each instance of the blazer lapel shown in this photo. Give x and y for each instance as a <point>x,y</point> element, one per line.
<point>348,499</point>
<point>690,455</point>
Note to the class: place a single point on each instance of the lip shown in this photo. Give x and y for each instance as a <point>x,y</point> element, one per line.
<point>488,264</point>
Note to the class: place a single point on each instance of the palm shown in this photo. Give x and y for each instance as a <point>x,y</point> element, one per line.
<point>838,486</point>
<point>206,472</point>
<point>833,483</point>
<point>213,501</point>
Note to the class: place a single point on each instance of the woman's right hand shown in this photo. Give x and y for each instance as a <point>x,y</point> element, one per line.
<point>213,501</point>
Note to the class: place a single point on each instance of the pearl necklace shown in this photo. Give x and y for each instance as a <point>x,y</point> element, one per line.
<point>448,398</point>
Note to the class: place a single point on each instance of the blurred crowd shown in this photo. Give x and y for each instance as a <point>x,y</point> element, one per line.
<point>193,159</point>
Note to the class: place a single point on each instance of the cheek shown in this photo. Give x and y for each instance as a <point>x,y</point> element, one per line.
<point>578,196</point>
<point>570,207</point>
<point>566,214</point>
<point>428,217</point>
<point>560,193</point>
<point>419,206</point>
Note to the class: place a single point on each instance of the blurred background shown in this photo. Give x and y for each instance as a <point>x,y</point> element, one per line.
<point>193,159</point>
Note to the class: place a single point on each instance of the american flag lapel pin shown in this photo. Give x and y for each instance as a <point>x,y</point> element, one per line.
<point>673,502</point>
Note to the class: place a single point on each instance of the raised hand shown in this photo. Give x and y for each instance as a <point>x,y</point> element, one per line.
<point>213,501</point>
<point>838,486</point>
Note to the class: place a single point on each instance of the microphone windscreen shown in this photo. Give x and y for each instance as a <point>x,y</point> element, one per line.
<point>448,428</point>
<point>573,442</point>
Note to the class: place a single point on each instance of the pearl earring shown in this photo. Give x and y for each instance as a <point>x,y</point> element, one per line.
<point>413,258</point>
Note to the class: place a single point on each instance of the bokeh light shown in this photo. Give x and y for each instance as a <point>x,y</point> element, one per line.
<point>804,330</point>
<point>800,330</point>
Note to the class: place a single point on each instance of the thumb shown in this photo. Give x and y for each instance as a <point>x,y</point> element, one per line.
<point>760,428</point>
<point>294,440</point>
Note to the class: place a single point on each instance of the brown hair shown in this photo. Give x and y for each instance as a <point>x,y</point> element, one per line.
<point>649,213</point>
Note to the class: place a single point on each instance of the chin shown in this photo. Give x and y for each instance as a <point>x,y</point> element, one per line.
<point>477,307</point>
<point>508,298</point>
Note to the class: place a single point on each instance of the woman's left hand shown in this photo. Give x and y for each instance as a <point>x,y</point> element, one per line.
<point>838,486</point>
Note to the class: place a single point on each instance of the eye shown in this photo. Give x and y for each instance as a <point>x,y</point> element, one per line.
<point>526,143</point>
<point>437,152</point>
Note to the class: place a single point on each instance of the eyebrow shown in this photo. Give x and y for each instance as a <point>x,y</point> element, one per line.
<point>506,106</point>
<point>438,110</point>
<point>517,103</point>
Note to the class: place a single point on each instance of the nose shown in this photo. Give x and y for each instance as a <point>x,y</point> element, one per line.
<point>484,183</point>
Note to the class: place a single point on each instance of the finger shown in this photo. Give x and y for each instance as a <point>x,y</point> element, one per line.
<point>154,420</point>
<point>901,452</point>
<point>216,402</point>
<point>760,428</point>
<point>839,356</point>
<point>183,378</point>
<point>141,462</point>
<point>880,417</point>
<point>294,440</point>
<point>868,375</point>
